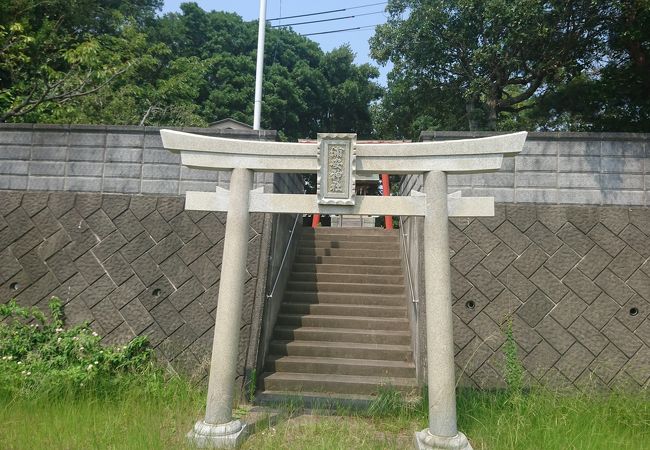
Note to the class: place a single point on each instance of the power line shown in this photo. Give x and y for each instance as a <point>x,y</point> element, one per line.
<point>307,15</point>
<point>311,21</point>
<point>327,12</point>
<point>340,31</point>
<point>327,20</point>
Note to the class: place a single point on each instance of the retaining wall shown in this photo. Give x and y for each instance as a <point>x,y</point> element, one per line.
<point>566,258</point>
<point>562,168</point>
<point>95,215</point>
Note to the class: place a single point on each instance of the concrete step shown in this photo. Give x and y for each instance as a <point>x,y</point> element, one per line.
<point>365,238</point>
<point>367,253</point>
<point>344,384</point>
<point>348,231</point>
<point>328,309</point>
<point>344,298</point>
<point>348,288</point>
<point>288,333</point>
<point>342,329</point>
<point>354,322</point>
<point>341,350</point>
<point>340,366</point>
<point>349,260</point>
<point>346,269</point>
<point>346,278</point>
<point>328,243</point>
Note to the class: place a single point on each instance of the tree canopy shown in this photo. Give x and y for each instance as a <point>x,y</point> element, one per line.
<point>118,63</point>
<point>55,51</point>
<point>457,64</point>
<point>516,64</point>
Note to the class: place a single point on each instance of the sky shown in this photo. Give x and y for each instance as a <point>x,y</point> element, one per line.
<point>368,13</point>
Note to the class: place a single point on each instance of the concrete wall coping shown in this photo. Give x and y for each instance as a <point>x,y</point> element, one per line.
<point>134,129</point>
<point>539,135</point>
<point>113,159</point>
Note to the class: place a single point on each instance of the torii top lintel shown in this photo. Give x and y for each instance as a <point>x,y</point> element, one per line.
<point>457,156</point>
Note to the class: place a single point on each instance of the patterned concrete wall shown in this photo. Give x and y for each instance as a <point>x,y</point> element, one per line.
<point>116,159</point>
<point>574,280</point>
<point>563,168</point>
<point>95,215</point>
<point>130,265</point>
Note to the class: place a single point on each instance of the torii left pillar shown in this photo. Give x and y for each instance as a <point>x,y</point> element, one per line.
<point>219,429</point>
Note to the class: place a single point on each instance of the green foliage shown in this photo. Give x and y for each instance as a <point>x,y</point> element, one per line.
<point>157,414</point>
<point>521,64</point>
<point>54,52</point>
<point>613,96</point>
<point>483,57</point>
<point>543,419</point>
<point>390,402</point>
<point>119,64</point>
<point>140,411</point>
<point>38,354</point>
<point>251,387</point>
<point>514,371</point>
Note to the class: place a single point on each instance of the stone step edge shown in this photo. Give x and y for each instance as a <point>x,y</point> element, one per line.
<point>359,258</point>
<point>354,379</point>
<point>349,245</point>
<point>329,316</point>
<point>343,267</point>
<point>371,252</point>
<point>398,310</point>
<point>298,272</point>
<point>341,294</point>
<point>344,284</point>
<point>342,330</point>
<point>343,361</point>
<point>322,229</point>
<point>343,345</point>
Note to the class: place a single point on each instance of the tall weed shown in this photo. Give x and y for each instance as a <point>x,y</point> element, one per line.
<point>39,355</point>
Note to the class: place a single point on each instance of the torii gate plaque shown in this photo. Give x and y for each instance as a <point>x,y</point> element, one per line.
<point>337,158</point>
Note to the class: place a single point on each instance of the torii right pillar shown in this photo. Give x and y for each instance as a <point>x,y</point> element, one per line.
<point>443,429</point>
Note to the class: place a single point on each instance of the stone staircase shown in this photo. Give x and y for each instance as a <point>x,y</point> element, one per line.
<point>342,331</point>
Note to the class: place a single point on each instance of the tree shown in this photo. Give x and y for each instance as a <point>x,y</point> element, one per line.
<point>115,62</point>
<point>615,95</point>
<point>488,57</point>
<point>55,51</point>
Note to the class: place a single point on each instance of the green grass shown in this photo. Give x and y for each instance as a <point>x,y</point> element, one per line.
<point>149,413</point>
<point>61,389</point>
<point>545,420</point>
<point>156,414</point>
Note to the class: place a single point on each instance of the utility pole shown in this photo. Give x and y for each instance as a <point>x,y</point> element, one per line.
<point>259,73</point>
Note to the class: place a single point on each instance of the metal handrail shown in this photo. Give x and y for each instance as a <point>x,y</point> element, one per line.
<point>406,258</point>
<point>284,257</point>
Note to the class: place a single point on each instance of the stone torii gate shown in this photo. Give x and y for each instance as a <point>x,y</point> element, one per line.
<point>337,159</point>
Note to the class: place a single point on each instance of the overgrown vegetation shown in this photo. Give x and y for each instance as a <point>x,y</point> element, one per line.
<point>41,357</point>
<point>514,372</point>
<point>59,388</point>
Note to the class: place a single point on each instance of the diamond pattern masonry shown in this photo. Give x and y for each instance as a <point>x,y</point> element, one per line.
<point>128,264</point>
<point>574,280</point>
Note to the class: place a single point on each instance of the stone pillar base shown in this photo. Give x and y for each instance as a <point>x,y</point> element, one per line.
<point>225,435</point>
<point>427,441</point>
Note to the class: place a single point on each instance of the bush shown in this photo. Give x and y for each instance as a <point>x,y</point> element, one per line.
<point>38,355</point>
